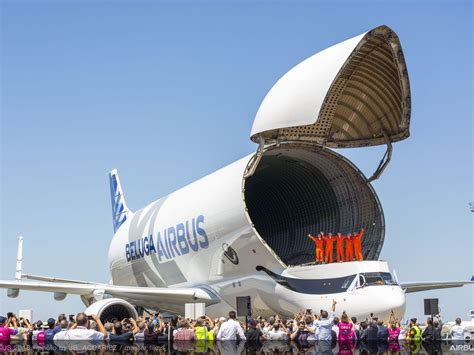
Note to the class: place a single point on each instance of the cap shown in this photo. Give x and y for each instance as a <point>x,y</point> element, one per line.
<point>252,322</point>
<point>2,319</point>
<point>51,321</point>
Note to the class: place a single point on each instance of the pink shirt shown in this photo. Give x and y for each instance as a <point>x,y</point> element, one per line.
<point>393,334</point>
<point>345,331</point>
<point>5,334</point>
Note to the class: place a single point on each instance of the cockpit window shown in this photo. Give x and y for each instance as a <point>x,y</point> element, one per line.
<point>378,278</point>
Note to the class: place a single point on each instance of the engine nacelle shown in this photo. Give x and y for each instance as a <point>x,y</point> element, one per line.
<point>59,296</point>
<point>110,308</point>
<point>13,292</point>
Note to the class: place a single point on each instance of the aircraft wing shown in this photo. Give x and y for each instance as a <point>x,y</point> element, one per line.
<point>410,287</point>
<point>132,293</point>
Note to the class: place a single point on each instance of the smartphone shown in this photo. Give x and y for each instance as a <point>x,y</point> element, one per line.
<point>308,311</point>
<point>71,317</point>
<point>89,317</point>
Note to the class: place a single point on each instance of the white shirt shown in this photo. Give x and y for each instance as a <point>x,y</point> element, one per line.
<point>81,338</point>
<point>279,334</point>
<point>229,331</point>
<point>82,333</point>
<point>59,339</point>
<point>457,332</point>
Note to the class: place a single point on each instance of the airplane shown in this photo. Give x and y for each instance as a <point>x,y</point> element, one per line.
<point>242,230</point>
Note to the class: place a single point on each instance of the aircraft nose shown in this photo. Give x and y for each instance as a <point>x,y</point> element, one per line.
<point>397,302</point>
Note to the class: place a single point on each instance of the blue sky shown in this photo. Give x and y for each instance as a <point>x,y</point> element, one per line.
<point>166,92</point>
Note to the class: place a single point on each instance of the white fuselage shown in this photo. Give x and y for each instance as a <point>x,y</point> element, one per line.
<point>202,236</point>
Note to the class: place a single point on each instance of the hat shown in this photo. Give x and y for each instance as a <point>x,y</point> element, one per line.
<point>2,319</point>
<point>252,322</point>
<point>413,320</point>
<point>51,321</point>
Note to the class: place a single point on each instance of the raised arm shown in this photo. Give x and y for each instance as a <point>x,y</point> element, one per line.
<point>135,329</point>
<point>312,238</point>
<point>99,325</point>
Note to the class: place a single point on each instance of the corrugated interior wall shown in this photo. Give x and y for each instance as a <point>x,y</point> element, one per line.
<point>298,190</point>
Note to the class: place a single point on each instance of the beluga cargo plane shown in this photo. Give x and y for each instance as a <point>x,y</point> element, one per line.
<point>246,232</point>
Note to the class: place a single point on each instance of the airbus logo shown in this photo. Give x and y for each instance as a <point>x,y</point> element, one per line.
<point>172,242</point>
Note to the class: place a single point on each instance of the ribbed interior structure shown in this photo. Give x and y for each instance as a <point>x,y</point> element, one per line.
<point>115,311</point>
<point>369,97</point>
<point>300,189</point>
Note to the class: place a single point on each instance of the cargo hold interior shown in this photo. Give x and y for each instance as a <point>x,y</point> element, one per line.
<point>299,189</point>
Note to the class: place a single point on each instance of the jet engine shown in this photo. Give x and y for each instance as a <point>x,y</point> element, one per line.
<point>112,308</point>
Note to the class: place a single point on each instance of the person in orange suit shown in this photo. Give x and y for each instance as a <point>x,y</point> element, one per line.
<point>357,238</point>
<point>329,247</point>
<point>349,247</point>
<point>319,242</point>
<point>340,247</point>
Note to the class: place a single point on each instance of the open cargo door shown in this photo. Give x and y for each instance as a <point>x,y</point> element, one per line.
<point>353,94</point>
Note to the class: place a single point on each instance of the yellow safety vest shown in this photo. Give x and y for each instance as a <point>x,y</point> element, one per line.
<point>203,334</point>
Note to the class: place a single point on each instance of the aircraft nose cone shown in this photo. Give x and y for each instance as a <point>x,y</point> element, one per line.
<point>397,302</point>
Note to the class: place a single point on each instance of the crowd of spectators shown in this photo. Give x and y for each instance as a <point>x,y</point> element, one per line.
<point>324,331</point>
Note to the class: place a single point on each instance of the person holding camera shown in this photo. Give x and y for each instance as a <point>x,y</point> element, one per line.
<point>277,331</point>
<point>8,328</point>
<point>80,331</point>
<point>124,332</point>
<point>325,322</point>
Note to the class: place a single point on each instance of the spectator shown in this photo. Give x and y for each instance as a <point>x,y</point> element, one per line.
<point>356,327</point>
<point>59,338</point>
<point>382,331</point>
<point>309,325</point>
<point>79,337</point>
<point>372,330</point>
<point>346,329</point>
<point>109,328</point>
<point>268,325</point>
<point>325,323</point>
<point>63,328</point>
<point>457,331</point>
<point>429,331</point>
<point>184,332</point>
<point>414,332</point>
<point>231,329</point>
<point>217,326</point>
<point>277,331</point>
<point>203,329</point>
<point>254,336</point>
<point>5,331</point>
<point>393,331</point>
<point>363,331</point>
<point>140,335</point>
<point>51,331</point>
<point>122,335</point>
<point>335,328</point>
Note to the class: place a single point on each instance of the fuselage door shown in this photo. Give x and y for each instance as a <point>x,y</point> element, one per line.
<point>353,94</point>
